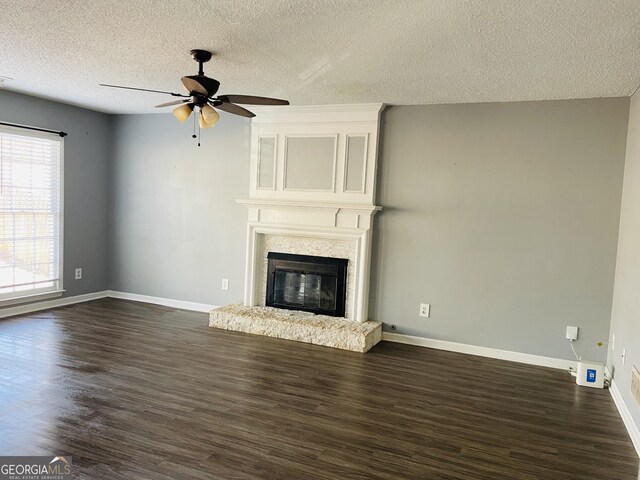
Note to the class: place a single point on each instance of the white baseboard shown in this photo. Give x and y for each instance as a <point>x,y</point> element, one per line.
<point>61,302</point>
<point>632,428</point>
<point>47,304</point>
<point>167,302</point>
<point>481,351</point>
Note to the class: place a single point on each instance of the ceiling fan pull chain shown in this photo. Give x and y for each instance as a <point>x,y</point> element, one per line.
<point>194,127</point>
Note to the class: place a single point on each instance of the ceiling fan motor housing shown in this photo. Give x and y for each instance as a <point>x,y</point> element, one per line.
<point>211,85</point>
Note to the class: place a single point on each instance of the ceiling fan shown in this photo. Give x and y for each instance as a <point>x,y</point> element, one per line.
<point>201,90</point>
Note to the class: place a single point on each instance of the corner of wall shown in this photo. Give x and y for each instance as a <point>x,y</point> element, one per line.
<point>624,333</point>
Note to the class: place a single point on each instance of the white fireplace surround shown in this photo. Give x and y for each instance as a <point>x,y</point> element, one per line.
<point>314,199</point>
<point>312,238</point>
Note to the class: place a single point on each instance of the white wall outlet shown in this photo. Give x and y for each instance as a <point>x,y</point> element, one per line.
<point>572,333</point>
<point>425,310</point>
<point>624,355</point>
<point>613,341</point>
<point>225,284</point>
<point>78,273</point>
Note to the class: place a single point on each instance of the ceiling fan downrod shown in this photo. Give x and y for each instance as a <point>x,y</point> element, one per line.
<point>202,57</point>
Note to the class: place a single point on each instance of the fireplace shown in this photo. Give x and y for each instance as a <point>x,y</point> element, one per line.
<point>312,192</point>
<point>307,283</point>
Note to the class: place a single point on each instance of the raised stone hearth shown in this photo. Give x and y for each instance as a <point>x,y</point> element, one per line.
<point>300,326</point>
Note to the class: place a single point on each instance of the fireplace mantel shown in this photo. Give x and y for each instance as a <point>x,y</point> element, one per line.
<point>312,214</point>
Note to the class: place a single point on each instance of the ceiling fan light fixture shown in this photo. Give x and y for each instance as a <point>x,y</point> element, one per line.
<point>183,112</point>
<point>210,115</point>
<point>200,96</point>
<point>203,122</point>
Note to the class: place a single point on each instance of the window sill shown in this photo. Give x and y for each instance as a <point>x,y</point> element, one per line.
<point>36,297</point>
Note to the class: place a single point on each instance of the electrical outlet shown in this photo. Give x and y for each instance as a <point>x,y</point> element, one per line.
<point>572,333</point>
<point>78,273</point>
<point>425,309</point>
<point>225,284</point>
<point>624,355</point>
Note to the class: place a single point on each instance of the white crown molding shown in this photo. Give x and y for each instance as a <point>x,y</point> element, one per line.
<point>480,351</point>
<point>317,114</point>
<point>284,205</point>
<point>623,409</point>
<point>48,304</point>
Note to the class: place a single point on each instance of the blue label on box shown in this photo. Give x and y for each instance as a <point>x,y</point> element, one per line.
<point>591,375</point>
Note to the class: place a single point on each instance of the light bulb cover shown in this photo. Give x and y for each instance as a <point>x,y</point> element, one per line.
<point>210,114</point>
<point>183,111</point>
<point>203,123</point>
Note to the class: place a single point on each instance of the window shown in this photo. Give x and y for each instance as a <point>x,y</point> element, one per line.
<point>30,214</point>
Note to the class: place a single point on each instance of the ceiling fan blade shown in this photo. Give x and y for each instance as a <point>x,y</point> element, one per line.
<point>175,102</point>
<point>252,100</point>
<point>192,86</point>
<point>233,108</point>
<point>143,90</point>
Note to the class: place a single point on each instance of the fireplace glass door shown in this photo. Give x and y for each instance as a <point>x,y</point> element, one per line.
<point>308,283</point>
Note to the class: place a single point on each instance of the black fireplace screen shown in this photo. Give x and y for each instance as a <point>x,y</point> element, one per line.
<point>308,283</point>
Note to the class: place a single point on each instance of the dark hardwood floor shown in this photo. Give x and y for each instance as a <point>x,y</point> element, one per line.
<point>138,391</point>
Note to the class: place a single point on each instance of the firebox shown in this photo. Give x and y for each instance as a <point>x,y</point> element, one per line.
<point>308,283</point>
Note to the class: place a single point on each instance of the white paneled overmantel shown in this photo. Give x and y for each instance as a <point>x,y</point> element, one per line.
<point>312,191</point>
<point>322,153</point>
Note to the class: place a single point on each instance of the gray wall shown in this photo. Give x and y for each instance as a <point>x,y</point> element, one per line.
<point>176,229</point>
<point>625,317</point>
<point>504,217</point>
<point>86,167</point>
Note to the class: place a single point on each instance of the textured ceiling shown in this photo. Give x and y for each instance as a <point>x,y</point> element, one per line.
<point>322,51</point>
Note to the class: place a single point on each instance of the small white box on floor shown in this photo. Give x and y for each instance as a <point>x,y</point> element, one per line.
<point>590,374</point>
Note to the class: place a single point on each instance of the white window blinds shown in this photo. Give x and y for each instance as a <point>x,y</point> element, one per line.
<point>30,213</point>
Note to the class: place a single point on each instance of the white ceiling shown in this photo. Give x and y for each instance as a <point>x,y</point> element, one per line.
<point>322,51</point>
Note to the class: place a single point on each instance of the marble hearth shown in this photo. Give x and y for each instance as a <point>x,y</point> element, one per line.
<point>300,326</point>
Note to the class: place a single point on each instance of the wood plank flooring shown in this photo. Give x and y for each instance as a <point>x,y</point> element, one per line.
<point>139,391</point>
